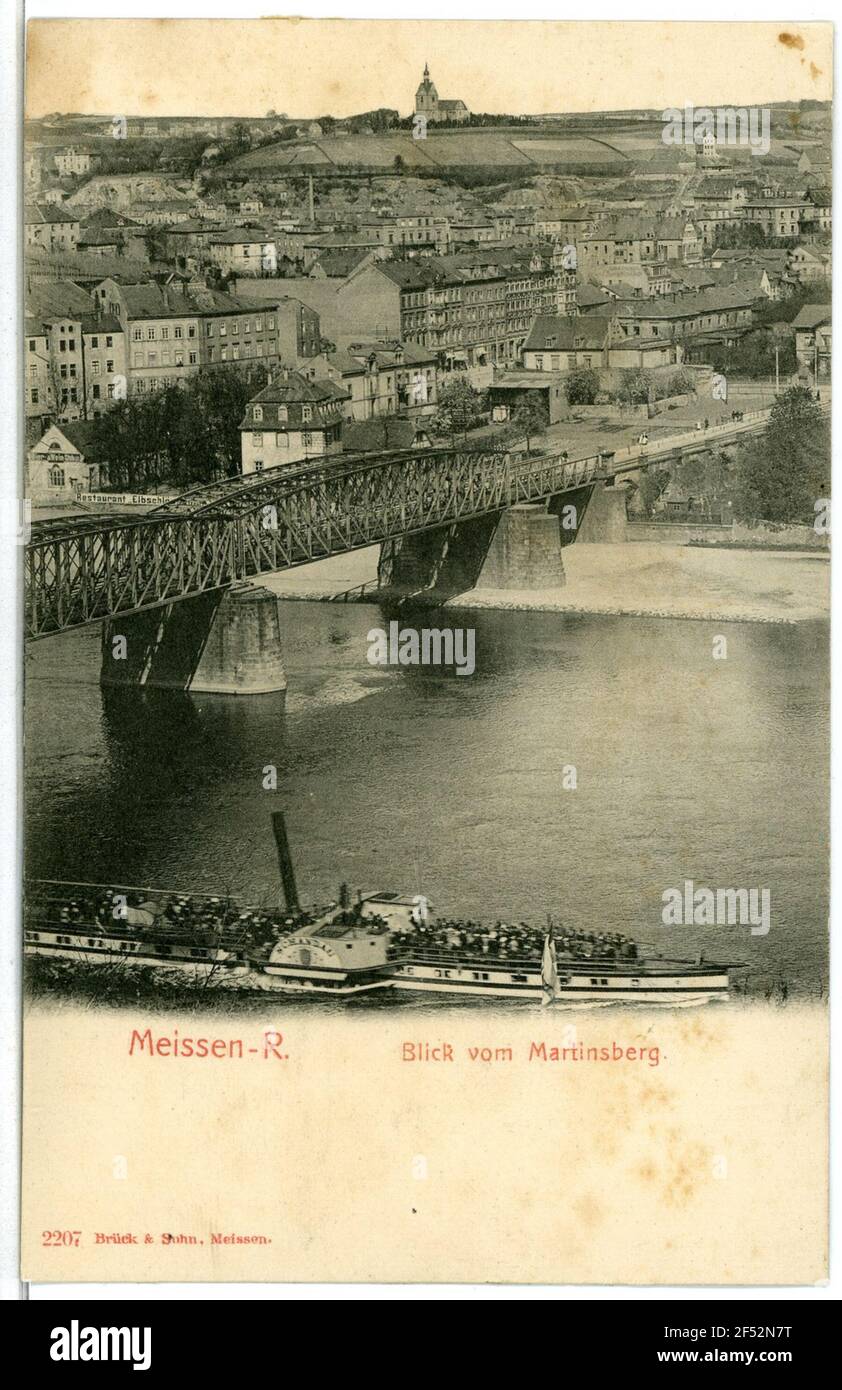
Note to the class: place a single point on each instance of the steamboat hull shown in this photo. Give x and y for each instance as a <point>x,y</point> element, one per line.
<point>648,982</point>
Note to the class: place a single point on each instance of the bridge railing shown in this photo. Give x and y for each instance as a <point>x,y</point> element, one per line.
<point>77,576</point>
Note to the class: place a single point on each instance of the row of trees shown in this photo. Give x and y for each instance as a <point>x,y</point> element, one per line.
<point>180,436</point>
<point>462,408</point>
<point>777,477</point>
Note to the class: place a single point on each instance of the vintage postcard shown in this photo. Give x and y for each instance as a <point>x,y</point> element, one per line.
<point>426,551</point>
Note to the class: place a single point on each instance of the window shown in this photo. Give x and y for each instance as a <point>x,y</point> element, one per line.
<point>193,358</point>
<point>151,359</point>
<point>283,414</point>
<point>56,476</point>
<point>191,332</point>
<point>306,412</point>
<point>257,412</point>
<point>109,340</point>
<point>95,367</point>
<point>137,359</point>
<point>178,331</point>
<point>112,390</point>
<point>281,440</point>
<point>109,364</point>
<point>94,342</point>
<point>165,332</point>
<point>179,359</point>
<point>270,322</point>
<point>95,392</point>
<point>33,396</point>
<point>258,465</point>
<point>306,439</point>
<point>150,333</point>
<point>257,439</point>
<point>73,370</point>
<point>63,371</point>
<point>71,345</point>
<point>210,330</point>
<point>137,334</point>
<point>258,324</point>
<point>31,344</point>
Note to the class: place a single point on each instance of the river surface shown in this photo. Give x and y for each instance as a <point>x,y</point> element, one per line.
<point>686,768</point>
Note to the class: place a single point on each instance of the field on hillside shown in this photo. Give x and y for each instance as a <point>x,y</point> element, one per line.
<point>474,148</point>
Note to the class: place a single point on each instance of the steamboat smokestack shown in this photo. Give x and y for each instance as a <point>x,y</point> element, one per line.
<point>279,829</point>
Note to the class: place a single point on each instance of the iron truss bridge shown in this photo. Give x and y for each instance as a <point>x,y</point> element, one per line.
<point>85,569</point>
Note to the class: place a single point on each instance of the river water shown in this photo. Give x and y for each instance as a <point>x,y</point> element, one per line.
<point>686,768</point>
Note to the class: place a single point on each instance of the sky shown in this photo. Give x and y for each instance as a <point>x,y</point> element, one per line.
<point>307,68</point>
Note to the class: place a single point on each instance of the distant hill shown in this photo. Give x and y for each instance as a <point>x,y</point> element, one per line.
<point>475,148</point>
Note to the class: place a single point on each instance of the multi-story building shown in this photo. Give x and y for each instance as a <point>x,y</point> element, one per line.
<point>777,217</point>
<point>73,162</point>
<point>74,365</point>
<point>243,251</point>
<point>299,330</point>
<point>36,370</point>
<point>172,332</point>
<point>696,321</point>
<point>292,419</point>
<point>381,378</point>
<point>411,231</point>
<point>813,341</point>
<point>50,228</point>
<point>472,310</point>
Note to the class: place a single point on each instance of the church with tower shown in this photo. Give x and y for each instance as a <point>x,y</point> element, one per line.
<point>428,103</point>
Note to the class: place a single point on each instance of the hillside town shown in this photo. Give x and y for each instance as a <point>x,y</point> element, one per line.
<point>387,281</point>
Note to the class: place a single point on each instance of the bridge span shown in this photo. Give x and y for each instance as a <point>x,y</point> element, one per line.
<point>86,570</point>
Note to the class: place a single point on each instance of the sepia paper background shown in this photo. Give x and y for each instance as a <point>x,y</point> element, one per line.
<point>710,1168</point>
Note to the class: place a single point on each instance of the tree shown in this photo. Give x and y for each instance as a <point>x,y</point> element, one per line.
<point>460,408</point>
<point>782,475</point>
<point>399,164</point>
<point>530,417</point>
<point>582,386</point>
<point>652,483</point>
<point>754,355</point>
<point>635,387</point>
<point>183,435</point>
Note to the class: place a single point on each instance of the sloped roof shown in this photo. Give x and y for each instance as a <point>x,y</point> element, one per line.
<point>46,212</point>
<point>553,332</point>
<point>48,298</point>
<point>381,433</point>
<point>812,316</point>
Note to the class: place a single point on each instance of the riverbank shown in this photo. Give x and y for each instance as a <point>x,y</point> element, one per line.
<point>647,580</point>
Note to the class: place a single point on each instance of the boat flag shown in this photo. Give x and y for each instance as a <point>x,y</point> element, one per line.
<point>549,968</point>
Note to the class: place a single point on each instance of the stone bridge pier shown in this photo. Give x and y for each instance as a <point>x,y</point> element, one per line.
<point>600,514</point>
<point>225,642</point>
<point>519,548</point>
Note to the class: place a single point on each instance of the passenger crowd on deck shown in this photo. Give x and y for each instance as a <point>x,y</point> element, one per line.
<point>217,921</point>
<point>508,941</point>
